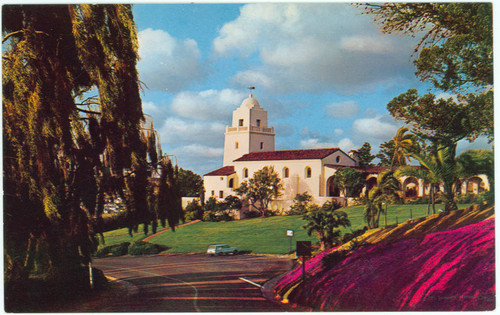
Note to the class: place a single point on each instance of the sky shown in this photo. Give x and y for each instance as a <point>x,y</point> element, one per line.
<point>324,72</point>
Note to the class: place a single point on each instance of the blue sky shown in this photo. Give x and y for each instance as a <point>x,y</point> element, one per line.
<point>324,72</point>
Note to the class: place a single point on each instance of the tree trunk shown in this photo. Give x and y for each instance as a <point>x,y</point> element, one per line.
<point>433,199</point>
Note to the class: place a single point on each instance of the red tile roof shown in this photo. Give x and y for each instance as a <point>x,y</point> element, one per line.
<point>369,170</point>
<point>223,171</point>
<point>310,154</point>
<point>374,169</point>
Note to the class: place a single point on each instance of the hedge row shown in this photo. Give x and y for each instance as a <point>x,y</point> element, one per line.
<point>135,248</point>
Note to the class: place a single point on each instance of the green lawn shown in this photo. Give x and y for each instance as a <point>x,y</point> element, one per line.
<point>259,235</point>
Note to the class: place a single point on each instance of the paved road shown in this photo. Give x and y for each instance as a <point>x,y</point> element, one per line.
<point>192,283</point>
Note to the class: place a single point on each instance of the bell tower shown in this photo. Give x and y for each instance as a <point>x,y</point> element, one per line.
<point>249,131</point>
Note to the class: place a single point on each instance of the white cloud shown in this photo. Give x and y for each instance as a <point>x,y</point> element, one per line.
<point>378,128</point>
<point>338,132</point>
<point>207,105</point>
<point>344,144</point>
<point>179,131</point>
<point>168,63</point>
<point>360,43</point>
<point>201,151</point>
<point>313,47</point>
<point>315,143</point>
<point>347,109</point>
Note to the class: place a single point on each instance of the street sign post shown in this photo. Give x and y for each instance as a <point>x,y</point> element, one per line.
<point>304,250</point>
<point>289,233</point>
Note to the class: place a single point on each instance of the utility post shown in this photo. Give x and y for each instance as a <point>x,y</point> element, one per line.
<point>289,233</point>
<point>304,250</point>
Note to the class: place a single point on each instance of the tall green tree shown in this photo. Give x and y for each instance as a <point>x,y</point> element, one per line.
<point>350,181</point>
<point>64,150</point>
<point>190,183</point>
<point>386,153</point>
<point>456,39</point>
<point>261,189</point>
<point>365,156</point>
<point>325,222</point>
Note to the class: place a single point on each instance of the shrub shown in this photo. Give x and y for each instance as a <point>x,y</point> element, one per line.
<point>301,204</point>
<point>251,214</point>
<point>479,198</point>
<point>193,211</point>
<point>145,248</point>
<point>119,249</point>
<point>113,250</point>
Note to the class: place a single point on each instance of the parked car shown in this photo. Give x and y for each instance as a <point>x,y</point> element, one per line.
<point>220,249</point>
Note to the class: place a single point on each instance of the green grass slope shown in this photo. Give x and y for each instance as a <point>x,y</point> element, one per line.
<point>259,235</point>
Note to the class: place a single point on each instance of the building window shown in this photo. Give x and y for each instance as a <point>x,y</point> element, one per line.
<point>213,192</point>
<point>241,123</point>
<point>231,183</point>
<point>308,172</point>
<point>221,194</point>
<point>338,159</point>
<point>245,172</point>
<point>262,145</point>
<point>285,172</point>
<point>236,145</point>
<point>258,122</point>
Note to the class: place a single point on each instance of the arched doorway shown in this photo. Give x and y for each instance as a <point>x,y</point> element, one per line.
<point>370,183</point>
<point>410,187</point>
<point>475,185</point>
<point>332,190</point>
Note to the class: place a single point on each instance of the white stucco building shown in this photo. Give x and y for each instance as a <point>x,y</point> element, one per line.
<point>249,146</point>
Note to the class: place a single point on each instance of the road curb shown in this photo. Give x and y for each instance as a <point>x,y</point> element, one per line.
<point>267,292</point>
<point>129,287</point>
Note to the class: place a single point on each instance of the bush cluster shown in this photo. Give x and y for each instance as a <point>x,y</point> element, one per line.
<point>145,248</point>
<point>136,248</point>
<point>476,199</point>
<point>216,211</point>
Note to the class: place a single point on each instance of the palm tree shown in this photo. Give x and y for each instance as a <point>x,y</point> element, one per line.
<point>428,177</point>
<point>441,162</point>
<point>385,191</point>
<point>402,143</point>
<point>325,222</point>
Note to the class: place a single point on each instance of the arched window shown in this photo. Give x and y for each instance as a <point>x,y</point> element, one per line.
<point>231,183</point>
<point>262,145</point>
<point>308,172</point>
<point>286,172</point>
<point>338,159</point>
<point>245,172</point>
<point>236,145</point>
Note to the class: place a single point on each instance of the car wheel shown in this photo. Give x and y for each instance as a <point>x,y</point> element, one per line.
<point>235,252</point>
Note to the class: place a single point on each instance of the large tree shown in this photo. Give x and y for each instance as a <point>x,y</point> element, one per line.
<point>190,183</point>
<point>365,157</point>
<point>455,54</point>
<point>264,186</point>
<point>64,148</point>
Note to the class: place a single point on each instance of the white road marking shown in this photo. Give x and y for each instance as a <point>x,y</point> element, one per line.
<point>251,282</point>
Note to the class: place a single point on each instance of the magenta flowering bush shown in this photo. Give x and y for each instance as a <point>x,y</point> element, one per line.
<point>450,270</point>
